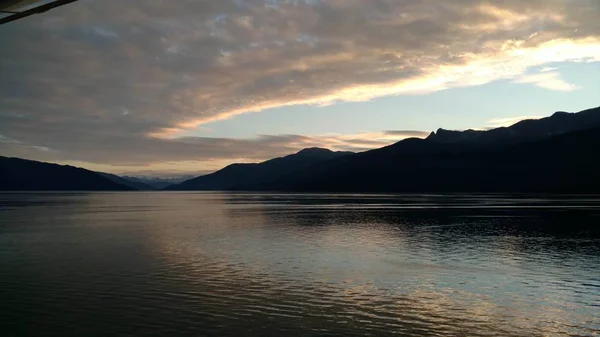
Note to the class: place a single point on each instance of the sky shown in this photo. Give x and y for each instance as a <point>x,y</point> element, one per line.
<point>152,87</point>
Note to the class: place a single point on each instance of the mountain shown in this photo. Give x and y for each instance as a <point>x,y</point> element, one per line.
<point>530,156</point>
<point>563,163</point>
<point>527,130</point>
<point>21,174</point>
<point>133,184</point>
<point>236,176</point>
<point>157,182</point>
<point>557,154</point>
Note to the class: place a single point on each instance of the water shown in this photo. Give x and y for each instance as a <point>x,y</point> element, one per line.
<point>187,264</point>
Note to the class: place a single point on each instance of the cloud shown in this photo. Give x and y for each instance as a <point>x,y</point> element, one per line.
<point>407,133</point>
<point>119,81</point>
<point>4,139</point>
<point>500,122</point>
<point>550,80</point>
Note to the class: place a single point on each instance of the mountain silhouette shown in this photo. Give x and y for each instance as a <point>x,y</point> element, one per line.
<point>527,130</point>
<point>159,183</point>
<point>563,163</point>
<point>553,154</point>
<point>236,175</point>
<point>21,174</point>
<point>133,184</point>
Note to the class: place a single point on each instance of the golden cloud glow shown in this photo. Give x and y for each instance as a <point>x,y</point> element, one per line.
<point>502,63</point>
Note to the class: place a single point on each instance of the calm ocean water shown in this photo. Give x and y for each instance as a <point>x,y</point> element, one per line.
<point>218,264</point>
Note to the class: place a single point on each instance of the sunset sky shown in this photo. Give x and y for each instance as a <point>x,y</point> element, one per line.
<point>189,86</point>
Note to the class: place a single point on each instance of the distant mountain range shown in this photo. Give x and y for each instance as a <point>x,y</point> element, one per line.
<point>29,175</point>
<point>561,163</point>
<point>236,176</point>
<point>131,183</point>
<point>527,130</point>
<point>157,182</point>
<point>554,154</point>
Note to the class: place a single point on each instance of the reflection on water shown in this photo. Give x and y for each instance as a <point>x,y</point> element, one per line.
<point>217,264</point>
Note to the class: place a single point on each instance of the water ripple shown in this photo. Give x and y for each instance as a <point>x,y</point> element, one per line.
<point>206,264</point>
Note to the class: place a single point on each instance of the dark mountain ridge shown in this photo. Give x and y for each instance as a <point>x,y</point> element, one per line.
<point>158,183</point>
<point>566,163</point>
<point>258,173</point>
<point>29,175</point>
<point>556,154</point>
<point>133,184</point>
<point>553,154</point>
<point>526,130</point>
